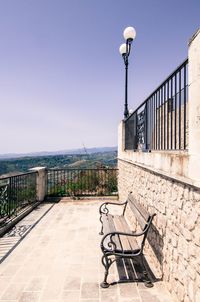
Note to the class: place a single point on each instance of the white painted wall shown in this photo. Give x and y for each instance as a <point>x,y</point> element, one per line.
<point>184,165</point>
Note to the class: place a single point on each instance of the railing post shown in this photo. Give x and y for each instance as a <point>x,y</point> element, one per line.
<point>194,107</point>
<point>121,137</point>
<point>40,182</point>
<point>146,126</point>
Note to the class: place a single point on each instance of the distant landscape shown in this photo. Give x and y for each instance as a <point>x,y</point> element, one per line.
<point>74,159</point>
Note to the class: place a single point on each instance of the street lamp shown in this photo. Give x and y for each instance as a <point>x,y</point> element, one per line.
<point>125,48</point>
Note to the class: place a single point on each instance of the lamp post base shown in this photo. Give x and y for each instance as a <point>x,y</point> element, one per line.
<point>126,113</point>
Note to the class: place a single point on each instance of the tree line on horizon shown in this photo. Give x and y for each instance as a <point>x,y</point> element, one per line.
<point>95,160</point>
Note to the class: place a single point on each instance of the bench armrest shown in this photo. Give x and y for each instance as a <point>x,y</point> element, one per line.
<point>133,234</point>
<point>108,241</point>
<point>104,210</point>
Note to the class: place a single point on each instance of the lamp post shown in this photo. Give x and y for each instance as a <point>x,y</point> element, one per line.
<point>125,49</point>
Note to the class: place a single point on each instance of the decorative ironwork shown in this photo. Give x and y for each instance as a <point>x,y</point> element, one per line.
<point>107,262</point>
<point>3,199</point>
<point>18,231</point>
<point>103,210</point>
<point>81,182</point>
<point>111,244</point>
<point>141,128</point>
<point>161,121</point>
<point>16,194</point>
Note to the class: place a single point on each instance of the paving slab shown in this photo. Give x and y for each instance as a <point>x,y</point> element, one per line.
<point>59,259</point>
<point>13,237</point>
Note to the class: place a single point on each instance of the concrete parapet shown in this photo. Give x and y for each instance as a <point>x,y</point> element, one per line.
<point>40,182</point>
<point>194,106</point>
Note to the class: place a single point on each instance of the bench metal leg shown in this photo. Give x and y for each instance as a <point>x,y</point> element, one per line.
<point>101,232</point>
<point>106,263</point>
<point>147,281</point>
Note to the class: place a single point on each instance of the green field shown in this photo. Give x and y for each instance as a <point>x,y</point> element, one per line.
<point>79,161</point>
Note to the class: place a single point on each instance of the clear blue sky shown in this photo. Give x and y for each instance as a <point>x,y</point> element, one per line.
<point>61,75</point>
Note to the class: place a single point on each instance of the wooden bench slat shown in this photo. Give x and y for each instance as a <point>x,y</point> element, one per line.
<point>109,227</point>
<point>106,225</point>
<point>142,222</point>
<point>132,241</point>
<point>106,228</point>
<point>139,207</point>
<point>113,229</point>
<point>120,228</point>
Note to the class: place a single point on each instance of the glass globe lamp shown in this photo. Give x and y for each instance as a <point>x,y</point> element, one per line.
<point>129,33</point>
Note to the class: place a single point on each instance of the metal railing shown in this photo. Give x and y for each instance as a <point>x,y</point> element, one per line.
<point>16,194</point>
<point>81,182</point>
<point>161,121</point>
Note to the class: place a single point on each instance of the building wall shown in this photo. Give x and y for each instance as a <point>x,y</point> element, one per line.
<point>168,183</point>
<point>174,240</point>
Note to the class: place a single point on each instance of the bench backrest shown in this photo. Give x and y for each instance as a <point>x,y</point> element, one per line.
<point>143,217</point>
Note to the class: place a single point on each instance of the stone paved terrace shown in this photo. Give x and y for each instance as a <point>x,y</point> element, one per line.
<point>59,259</point>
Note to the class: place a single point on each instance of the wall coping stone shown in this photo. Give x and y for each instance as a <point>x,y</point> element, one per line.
<point>180,179</point>
<point>194,36</point>
<point>37,169</point>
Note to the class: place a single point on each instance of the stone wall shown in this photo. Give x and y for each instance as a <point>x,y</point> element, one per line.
<point>174,240</point>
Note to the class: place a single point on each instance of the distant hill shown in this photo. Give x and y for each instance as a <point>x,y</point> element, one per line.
<point>81,160</point>
<point>77,163</point>
<point>61,152</point>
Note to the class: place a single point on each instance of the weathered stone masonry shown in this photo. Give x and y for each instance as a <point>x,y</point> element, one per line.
<point>175,237</point>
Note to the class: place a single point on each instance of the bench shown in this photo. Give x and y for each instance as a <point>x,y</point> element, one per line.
<point>119,240</point>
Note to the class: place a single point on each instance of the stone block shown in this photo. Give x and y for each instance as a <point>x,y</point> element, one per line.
<point>162,208</point>
<point>191,292</point>
<point>196,234</point>
<point>183,218</point>
<point>186,233</point>
<point>180,292</point>
<point>179,202</point>
<point>174,240</point>
<point>175,257</point>
<point>197,295</point>
<point>193,249</point>
<point>183,247</point>
<point>186,194</point>
<point>191,272</point>
<point>191,220</point>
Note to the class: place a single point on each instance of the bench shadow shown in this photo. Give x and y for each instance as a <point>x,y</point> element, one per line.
<point>156,242</point>
<point>131,270</point>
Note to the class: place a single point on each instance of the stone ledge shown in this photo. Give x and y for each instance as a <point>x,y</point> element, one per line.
<point>194,36</point>
<point>180,179</point>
